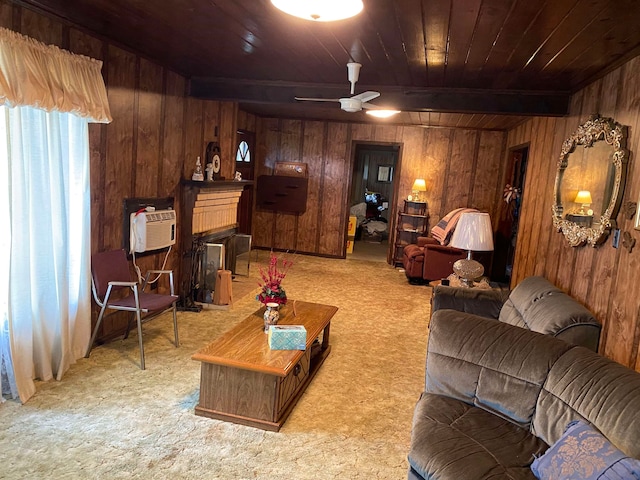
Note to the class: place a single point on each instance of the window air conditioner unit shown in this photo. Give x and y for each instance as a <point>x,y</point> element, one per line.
<point>152,230</point>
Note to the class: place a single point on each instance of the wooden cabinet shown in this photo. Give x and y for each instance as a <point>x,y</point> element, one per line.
<point>413,222</point>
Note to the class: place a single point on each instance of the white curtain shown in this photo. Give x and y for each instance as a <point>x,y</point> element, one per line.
<point>45,170</point>
<point>47,98</point>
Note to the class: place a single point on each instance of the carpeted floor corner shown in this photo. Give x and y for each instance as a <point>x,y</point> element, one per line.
<point>107,419</point>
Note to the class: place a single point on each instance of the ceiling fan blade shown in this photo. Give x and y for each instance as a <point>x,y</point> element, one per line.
<point>371,105</point>
<point>317,99</point>
<point>366,96</point>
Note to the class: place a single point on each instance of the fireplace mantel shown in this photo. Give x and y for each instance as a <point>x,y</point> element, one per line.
<point>207,208</point>
<point>217,184</point>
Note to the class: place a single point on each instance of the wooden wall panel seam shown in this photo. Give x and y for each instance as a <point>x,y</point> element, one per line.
<point>443,197</point>
<point>66,40</point>
<point>134,145</point>
<point>501,179</point>
<point>161,145</point>
<point>322,176</point>
<point>103,156</point>
<point>474,166</point>
<point>17,18</point>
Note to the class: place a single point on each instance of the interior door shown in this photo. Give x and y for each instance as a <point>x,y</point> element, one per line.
<point>507,231</point>
<point>245,142</point>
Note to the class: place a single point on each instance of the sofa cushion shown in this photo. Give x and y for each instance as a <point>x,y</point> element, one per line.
<point>523,296</point>
<point>451,439</point>
<point>583,453</point>
<point>540,306</point>
<point>490,364</point>
<point>584,386</point>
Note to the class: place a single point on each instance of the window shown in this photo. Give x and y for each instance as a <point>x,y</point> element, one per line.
<point>45,246</point>
<point>243,154</point>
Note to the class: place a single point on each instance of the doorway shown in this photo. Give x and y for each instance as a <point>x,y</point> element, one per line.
<point>509,215</point>
<point>374,171</point>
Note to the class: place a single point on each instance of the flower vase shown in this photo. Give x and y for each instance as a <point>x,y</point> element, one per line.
<point>271,315</point>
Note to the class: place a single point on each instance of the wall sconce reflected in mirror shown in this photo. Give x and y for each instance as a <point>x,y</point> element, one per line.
<point>584,198</point>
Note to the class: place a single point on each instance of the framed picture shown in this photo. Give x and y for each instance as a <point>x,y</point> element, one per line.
<point>385,173</point>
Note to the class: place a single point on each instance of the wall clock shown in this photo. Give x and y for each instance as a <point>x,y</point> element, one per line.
<point>213,157</point>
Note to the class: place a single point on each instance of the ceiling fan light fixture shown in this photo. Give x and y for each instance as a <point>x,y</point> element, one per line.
<point>382,113</point>
<point>320,10</point>
<point>351,105</point>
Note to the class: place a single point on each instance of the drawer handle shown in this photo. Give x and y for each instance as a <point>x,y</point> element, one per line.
<point>296,370</point>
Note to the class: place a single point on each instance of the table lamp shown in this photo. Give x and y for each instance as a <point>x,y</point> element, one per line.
<point>584,198</point>
<point>473,233</point>
<point>418,186</point>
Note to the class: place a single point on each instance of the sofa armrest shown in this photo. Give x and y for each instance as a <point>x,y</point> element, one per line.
<point>485,303</point>
<point>492,365</point>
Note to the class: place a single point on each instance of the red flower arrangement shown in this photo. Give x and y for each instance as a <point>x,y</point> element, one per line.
<point>272,291</point>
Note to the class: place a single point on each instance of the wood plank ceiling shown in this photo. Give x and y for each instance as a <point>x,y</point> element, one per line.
<point>469,63</point>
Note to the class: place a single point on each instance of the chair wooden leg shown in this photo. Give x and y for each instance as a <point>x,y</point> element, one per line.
<point>175,326</point>
<point>140,340</point>
<point>95,331</point>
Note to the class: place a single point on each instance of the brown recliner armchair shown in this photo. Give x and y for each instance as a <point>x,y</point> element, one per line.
<point>431,258</point>
<point>428,260</point>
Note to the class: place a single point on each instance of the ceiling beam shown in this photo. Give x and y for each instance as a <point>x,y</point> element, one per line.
<point>408,99</point>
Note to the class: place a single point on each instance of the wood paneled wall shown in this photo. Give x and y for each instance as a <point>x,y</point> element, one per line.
<point>604,279</point>
<point>462,167</point>
<point>156,134</point>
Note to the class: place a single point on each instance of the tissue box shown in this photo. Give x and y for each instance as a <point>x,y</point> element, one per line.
<point>287,337</point>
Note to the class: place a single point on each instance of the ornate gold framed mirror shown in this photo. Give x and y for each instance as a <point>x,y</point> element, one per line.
<point>590,181</point>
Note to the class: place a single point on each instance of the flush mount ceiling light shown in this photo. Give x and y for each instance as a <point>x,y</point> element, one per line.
<point>320,10</point>
<point>382,113</point>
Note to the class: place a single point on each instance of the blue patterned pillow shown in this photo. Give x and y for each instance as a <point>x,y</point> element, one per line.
<point>583,453</point>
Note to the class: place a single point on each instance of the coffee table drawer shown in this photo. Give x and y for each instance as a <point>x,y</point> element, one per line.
<point>290,384</point>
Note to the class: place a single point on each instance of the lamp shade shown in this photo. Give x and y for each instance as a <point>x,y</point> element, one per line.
<point>419,185</point>
<point>473,232</point>
<point>583,196</point>
<point>320,10</point>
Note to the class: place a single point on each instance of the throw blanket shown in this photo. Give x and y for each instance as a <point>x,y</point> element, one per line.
<point>444,229</point>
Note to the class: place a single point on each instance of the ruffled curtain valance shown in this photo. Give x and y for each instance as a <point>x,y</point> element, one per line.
<point>47,77</point>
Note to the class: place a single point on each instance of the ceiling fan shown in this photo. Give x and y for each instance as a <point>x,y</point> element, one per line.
<point>354,103</point>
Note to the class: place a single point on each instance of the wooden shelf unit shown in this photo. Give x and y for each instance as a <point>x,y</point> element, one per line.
<point>413,222</point>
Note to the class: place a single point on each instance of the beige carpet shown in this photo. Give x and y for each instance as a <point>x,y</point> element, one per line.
<point>107,419</point>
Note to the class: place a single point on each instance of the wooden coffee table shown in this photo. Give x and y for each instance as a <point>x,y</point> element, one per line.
<point>243,381</point>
